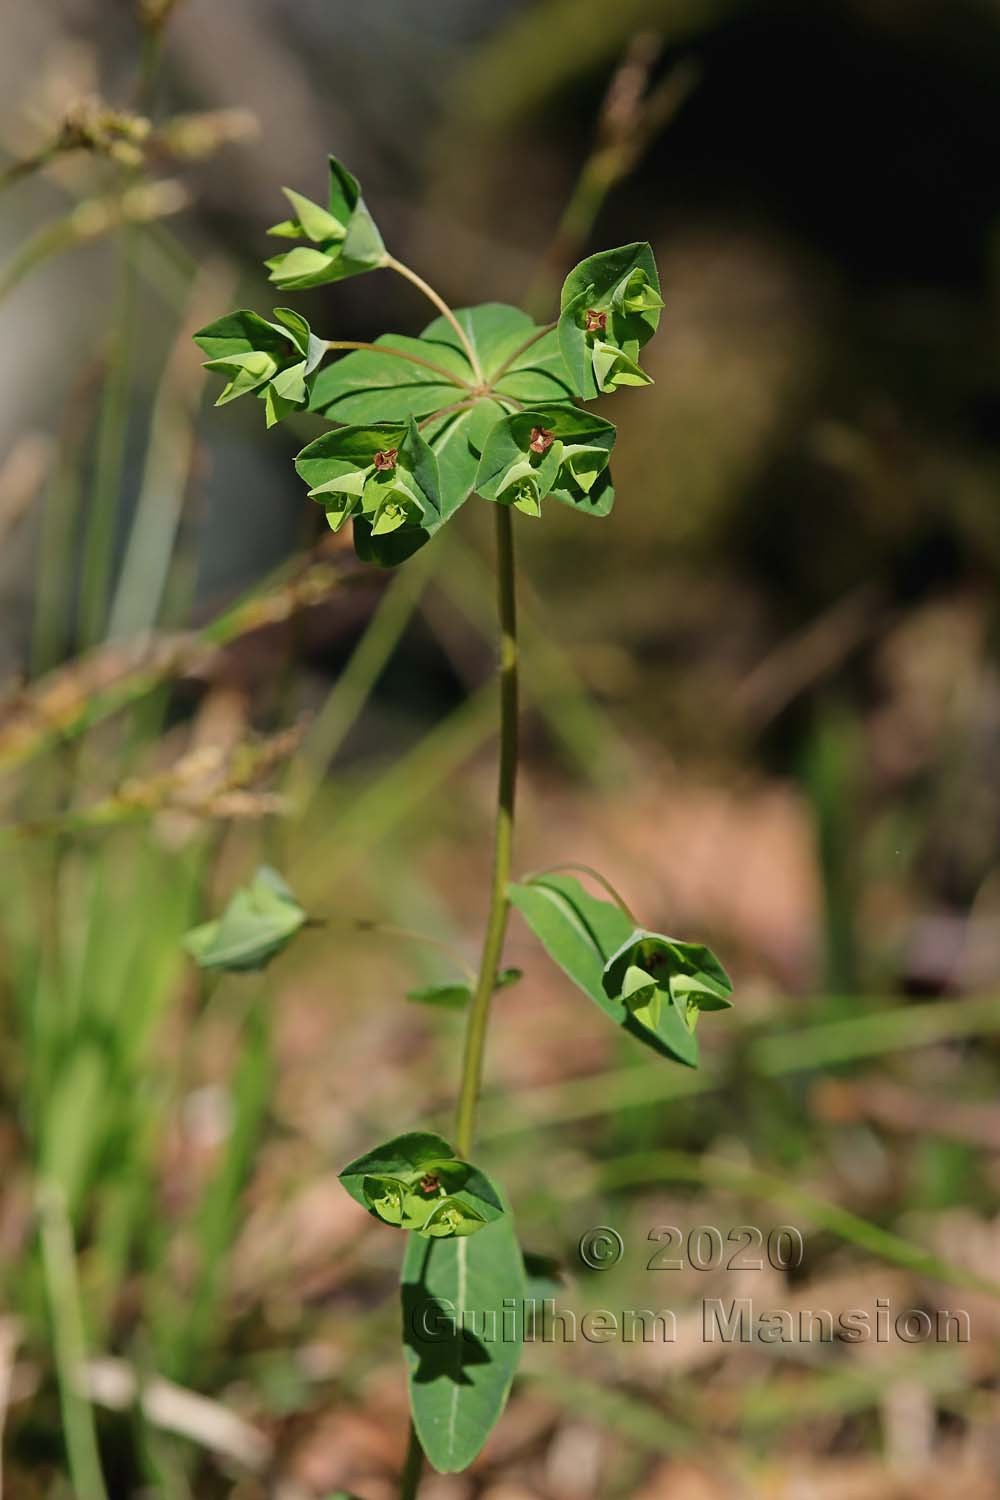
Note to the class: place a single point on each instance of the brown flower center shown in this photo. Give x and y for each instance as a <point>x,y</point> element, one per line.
<point>429,1184</point>
<point>541,440</point>
<point>385,459</point>
<point>596,322</point>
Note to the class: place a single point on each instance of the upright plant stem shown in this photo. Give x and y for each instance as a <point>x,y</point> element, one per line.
<point>496,927</point>
<point>409,1483</point>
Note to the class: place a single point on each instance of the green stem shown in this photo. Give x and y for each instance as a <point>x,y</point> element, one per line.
<point>413,1468</point>
<point>407,935</point>
<point>496,927</point>
<point>392,264</point>
<point>595,875</point>
<point>529,343</point>
<point>69,1344</point>
<point>444,411</point>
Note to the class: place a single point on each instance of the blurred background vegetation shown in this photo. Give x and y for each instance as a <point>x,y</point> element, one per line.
<point>763,698</point>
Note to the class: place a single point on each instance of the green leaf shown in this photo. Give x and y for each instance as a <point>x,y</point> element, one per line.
<point>610,307</point>
<point>242,332</point>
<point>496,332</point>
<point>458,440</point>
<point>463,1312</point>
<point>311,221</point>
<point>539,375</point>
<point>369,385</point>
<point>457,996</point>
<point>581,934</point>
<point>258,923</point>
<point>416,1182</point>
<point>344,239</point>
<point>613,368</point>
<point>446,996</point>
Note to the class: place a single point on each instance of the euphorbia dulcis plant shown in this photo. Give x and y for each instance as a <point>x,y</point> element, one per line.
<point>484,403</point>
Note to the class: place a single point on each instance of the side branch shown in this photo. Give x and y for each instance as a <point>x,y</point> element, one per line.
<point>438,301</point>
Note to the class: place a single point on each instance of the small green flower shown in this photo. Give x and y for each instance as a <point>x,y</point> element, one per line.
<point>522,487</point>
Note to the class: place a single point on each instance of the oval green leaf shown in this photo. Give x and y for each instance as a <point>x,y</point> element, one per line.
<point>463,1315</point>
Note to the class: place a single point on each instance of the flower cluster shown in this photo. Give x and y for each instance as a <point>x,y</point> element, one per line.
<point>342,238</point>
<point>385,475</point>
<point>610,308</point>
<point>651,972</point>
<point>557,451</point>
<point>276,360</point>
<point>416,1182</point>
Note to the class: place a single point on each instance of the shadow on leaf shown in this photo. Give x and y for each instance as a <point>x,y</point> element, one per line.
<point>433,1331</point>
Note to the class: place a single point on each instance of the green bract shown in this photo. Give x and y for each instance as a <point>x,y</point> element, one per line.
<point>416,1182</point>
<point>343,239</point>
<point>258,923</point>
<point>386,476</point>
<point>645,983</point>
<point>556,451</point>
<point>277,360</point>
<point>650,972</point>
<point>610,307</point>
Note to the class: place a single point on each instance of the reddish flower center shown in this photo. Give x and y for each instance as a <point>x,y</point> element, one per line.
<point>541,440</point>
<point>430,1184</point>
<point>596,321</point>
<point>385,458</point>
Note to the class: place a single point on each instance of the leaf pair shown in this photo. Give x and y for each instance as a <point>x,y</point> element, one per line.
<point>463,1288</point>
<point>276,360</point>
<point>416,1182</point>
<point>652,986</point>
<point>342,238</point>
<point>385,475</point>
<point>610,307</point>
<point>556,451</point>
<point>260,921</point>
